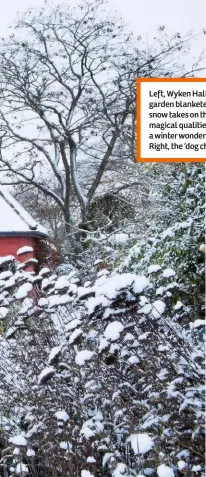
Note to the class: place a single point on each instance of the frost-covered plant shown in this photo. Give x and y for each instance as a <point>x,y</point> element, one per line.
<point>180,247</point>
<point>99,377</point>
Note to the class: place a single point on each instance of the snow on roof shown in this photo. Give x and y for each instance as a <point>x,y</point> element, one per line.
<point>14,219</point>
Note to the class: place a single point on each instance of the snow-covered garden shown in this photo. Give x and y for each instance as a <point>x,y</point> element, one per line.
<point>106,376</point>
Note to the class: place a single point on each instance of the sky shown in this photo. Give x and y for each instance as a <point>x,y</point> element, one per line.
<point>143,16</point>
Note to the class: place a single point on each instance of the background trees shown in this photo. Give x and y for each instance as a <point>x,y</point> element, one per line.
<point>68,106</point>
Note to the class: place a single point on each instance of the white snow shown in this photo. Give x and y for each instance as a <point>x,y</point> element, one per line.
<point>56,300</point>
<point>13,218</point>
<point>87,283</point>
<point>62,416</point>
<point>150,422</point>
<point>141,443</point>
<point>23,291</point>
<point>18,440</point>
<point>5,274</point>
<point>196,324</point>
<point>10,220</point>
<point>165,471</point>
<point>64,445</point>
<point>93,302</point>
<point>10,332</point>
<point>62,283</point>
<point>140,283</point>
<point>30,453</point>
<point>143,336</point>
<point>97,262</point>
<point>3,311</point>
<point>44,271</point>
<point>73,324</point>
<point>53,353</point>
<point>82,356</point>
<point>43,302</point>
<point>167,233</point>
<point>158,308</point>
<point>168,272</point>
<point>92,334</point>
<point>16,451</point>
<point>154,268</point>
<point>87,432</point>
<point>129,337</point>
<point>184,225</point>
<point>103,344</point>
<point>9,283</point>
<point>143,300</point>
<point>178,305</point>
<point>7,258</point>
<point>162,374</point>
<point>107,457</point>
<point>146,309</point>
<point>101,280</point>
<point>108,288</point>
<point>119,470</point>
<point>102,272</point>
<point>46,373</point>
<point>160,290</point>
<point>45,283</point>
<point>113,330</point>
<point>86,473</point>
<point>25,249</point>
<point>28,303</point>
<point>133,360</point>
<point>181,465</point>
<point>84,291</point>
<point>118,239</point>
<point>163,348</point>
<point>74,335</point>
<point>120,281</point>
<point>184,453</point>
<point>73,288</point>
<point>91,460</point>
<point>22,468</point>
<point>196,468</point>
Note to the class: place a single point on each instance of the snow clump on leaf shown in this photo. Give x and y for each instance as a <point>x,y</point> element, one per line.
<point>164,471</point>
<point>141,443</point>
<point>82,356</point>
<point>113,330</point>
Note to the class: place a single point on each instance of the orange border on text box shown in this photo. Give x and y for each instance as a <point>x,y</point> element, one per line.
<point>138,119</point>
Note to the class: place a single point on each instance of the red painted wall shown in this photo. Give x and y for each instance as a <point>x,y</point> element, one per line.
<point>10,246</point>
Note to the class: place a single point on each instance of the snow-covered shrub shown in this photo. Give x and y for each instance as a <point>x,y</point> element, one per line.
<point>99,377</point>
<point>179,248</point>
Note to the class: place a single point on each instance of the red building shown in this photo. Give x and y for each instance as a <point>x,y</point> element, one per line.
<point>20,235</point>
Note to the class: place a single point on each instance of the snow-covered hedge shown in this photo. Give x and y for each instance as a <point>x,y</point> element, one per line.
<point>101,377</point>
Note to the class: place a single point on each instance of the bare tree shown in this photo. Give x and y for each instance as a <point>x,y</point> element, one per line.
<point>42,207</point>
<point>68,99</point>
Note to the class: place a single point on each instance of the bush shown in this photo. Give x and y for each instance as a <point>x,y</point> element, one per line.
<point>101,378</point>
